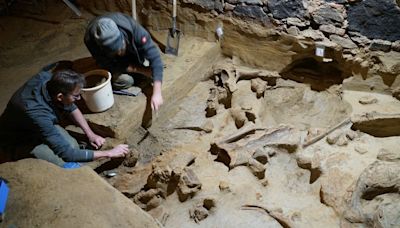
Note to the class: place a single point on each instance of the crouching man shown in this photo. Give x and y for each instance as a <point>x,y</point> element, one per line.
<point>29,126</point>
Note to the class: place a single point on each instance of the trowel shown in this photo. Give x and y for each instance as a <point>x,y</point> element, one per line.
<point>173,34</point>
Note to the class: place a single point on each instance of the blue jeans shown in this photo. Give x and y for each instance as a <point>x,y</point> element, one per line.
<point>44,152</point>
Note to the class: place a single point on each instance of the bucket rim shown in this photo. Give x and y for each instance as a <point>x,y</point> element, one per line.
<point>94,72</point>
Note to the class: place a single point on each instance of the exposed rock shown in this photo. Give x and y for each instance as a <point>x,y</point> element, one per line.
<point>368,100</point>
<point>207,5</point>
<point>342,140</point>
<point>396,46</point>
<point>360,150</point>
<point>258,86</point>
<point>375,19</point>
<point>333,137</point>
<point>131,158</point>
<point>44,195</point>
<point>387,155</point>
<point>328,15</point>
<point>262,155</point>
<point>149,199</point>
<point>232,1</point>
<point>377,124</point>
<point>202,209</point>
<point>297,22</point>
<point>351,135</point>
<point>251,2</point>
<point>293,30</point>
<point>284,9</point>
<point>331,29</point>
<point>343,41</point>
<point>212,103</point>
<point>337,1</point>
<point>229,7</point>
<point>380,45</point>
<point>256,168</point>
<point>313,34</point>
<point>389,62</point>
<point>359,39</point>
<point>238,116</point>
<point>188,184</point>
<point>224,186</point>
<point>254,12</point>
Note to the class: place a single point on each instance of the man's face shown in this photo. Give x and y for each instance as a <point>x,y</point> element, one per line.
<point>68,99</point>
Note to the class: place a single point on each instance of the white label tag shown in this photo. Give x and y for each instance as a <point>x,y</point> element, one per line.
<point>320,51</point>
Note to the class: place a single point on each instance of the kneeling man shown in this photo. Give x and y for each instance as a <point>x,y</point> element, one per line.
<point>29,126</point>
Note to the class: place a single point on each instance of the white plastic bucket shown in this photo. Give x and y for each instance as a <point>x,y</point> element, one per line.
<point>98,97</point>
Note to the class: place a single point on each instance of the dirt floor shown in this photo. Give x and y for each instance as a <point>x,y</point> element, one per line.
<point>244,146</point>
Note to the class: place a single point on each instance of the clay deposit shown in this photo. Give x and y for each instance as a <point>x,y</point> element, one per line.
<point>256,130</point>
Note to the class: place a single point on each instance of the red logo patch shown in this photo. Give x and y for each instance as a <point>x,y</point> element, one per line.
<point>144,40</point>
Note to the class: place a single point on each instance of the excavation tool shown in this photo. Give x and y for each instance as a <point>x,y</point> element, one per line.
<point>134,10</point>
<point>173,34</point>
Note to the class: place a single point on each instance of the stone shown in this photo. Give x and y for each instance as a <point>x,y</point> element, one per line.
<point>351,135</point>
<point>131,158</point>
<point>368,100</point>
<point>198,213</point>
<point>377,124</point>
<point>337,1</point>
<point>233,2</point>
<point>387,155</point>
<point>258,86</point>
<point>380,45</point>
<point>342,140</point>
<point>333,137</point>
<point>251,2</point>
<point>257,168</point>
<point>284,9</point>
<point>328,15</point>
<point>342,41</point>
<point>359,39</point>
<point>224,186</point>
<point>188,185</point>
<point>396,46</point>
<point>205,4</point>
<point>149,199</point>
<point>229,7</point>
<point>360,150</point>
<point>293,30</point>
<point>375,19</point>
<point>254,12</point>
<point>296,22</point>
<point>331,29</point>
<point>313,34</point>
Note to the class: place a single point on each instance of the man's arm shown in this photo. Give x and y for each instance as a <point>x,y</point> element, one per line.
<point>95,140</point>
<point>149,50</point>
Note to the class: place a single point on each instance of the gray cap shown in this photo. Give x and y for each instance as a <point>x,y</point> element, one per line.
<point>107,35</point>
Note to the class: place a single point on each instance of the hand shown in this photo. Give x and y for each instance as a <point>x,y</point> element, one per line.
<point>156,101</point>
<point>119,151</point>
<point>96,141</point>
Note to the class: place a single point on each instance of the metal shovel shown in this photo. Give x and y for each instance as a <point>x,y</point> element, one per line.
<point>173,34</point>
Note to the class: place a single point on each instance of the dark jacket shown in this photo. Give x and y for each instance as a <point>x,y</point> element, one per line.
<point>138,42</point>
<point>30,119</point>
